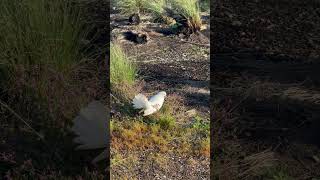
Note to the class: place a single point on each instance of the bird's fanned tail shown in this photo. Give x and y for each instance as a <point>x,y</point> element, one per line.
<point>91,126</point>
<point>140,101</point>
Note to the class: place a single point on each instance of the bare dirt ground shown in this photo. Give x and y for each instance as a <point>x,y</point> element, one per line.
<point>182,70</point>
<point>266,100</point>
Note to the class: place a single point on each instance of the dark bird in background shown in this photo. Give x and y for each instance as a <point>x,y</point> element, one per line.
<point>134,19</point>
<point>139,38</point>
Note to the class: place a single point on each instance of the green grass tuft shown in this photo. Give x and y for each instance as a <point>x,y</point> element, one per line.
<point>129,7</point>
<point>122,71</point>
<point>41,48</point>
<point>156,6</point>
<point>190,10</point>
<point>40,32</point>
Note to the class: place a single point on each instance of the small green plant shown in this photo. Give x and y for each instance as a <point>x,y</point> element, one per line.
<point>122,71</point>
<point>167,121</point>
<point>190,10</point>
<point>200,124</point>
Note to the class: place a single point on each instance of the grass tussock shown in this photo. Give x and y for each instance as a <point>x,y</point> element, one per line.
<point>123,77</point>
<point>122,71</point>
<point>39,33</point>
<point>41,53</point>
<point>190,10</point>
<point>157,7</point>
<point>129,7</point>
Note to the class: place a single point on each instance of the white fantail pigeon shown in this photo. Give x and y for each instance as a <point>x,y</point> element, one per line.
<point>150,106</point>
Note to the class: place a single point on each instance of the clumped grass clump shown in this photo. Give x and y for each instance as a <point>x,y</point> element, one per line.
<point>47,73</point>
<point>40,33</point>
<point>190,10</point>
<point>156,6</point>
<point>123,78</point>
<point>129,7</point>
<point>158,9</point>
<point>40,49</point>
<point>122,71</point>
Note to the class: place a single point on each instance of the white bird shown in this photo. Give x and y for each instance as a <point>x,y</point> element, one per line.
<point>150,106</point>
<point>92,127</point>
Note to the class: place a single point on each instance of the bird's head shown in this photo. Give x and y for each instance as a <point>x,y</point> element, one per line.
<point>163,93</point>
